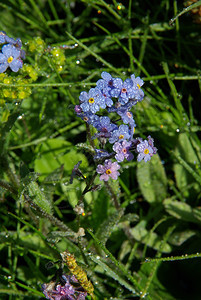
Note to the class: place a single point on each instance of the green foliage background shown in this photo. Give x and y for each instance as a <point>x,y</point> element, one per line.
<point>150,246</point>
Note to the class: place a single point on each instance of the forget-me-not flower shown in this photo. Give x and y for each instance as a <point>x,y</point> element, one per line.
<point>137,83</point>
<point>6,39</point>
<point>145,151</point>
<point>123,90</point>
<point>106,81</point>
<point>122,150</point>
<point>92,101</point>
<point>10,57</point>
<point>109,169</point>
<point>122,133</point>
<point>105,127</point>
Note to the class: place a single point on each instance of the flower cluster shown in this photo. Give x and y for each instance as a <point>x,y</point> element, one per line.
<point>68,289</point>
<point>114,96</point>
<point>11,53</point>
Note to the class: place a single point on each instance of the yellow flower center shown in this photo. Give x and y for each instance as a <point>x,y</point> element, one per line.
<point>9,59</point>
<point>138,86</point>
<point>91,100</point>
<point>121,136</point>
<point>146,151</point>
<point>108,172</point>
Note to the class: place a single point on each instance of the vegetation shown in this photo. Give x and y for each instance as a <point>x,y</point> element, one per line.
<point>134,237</point>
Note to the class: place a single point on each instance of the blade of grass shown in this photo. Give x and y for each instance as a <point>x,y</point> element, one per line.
<point>29,289</point>
<point>116,262</point>
<point>188,168</point>
<point>93,53</point>
<point>184,11</point>
<point>113,274</point>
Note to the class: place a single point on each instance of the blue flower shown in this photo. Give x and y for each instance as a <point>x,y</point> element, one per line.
<point>92,101</point>
<point>106,82</point>
<point>126,116</point>
<point>105,127</point>
<point>122,133</point>
<point>6,39</point>
<point>122,150</point>
<point>106,93</point>
<point>145,151</point>
<point>137,83</point>
<point>123,90</point>
<point>89,118</point>
<point>151,143</point>
<point>10,57</point>
<point>100,154</point>
<point>109,169</point>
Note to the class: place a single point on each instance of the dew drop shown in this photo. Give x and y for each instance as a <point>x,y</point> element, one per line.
<point>171,22</point>
<point>77,62</point>
<point>97,257</point>
<point>147,259</point>
<point>177,130</point>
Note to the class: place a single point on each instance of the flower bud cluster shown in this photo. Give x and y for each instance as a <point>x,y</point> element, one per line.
<point>115,97</point>
<point>36,45</point>
<point>58,57</point>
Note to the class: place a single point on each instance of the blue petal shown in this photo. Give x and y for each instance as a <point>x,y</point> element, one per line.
<point>7,50</point>
<point>3,67</point>
<point>106,76</point>
<point>83,96</point>
<point>2,58</point>
<point>84,107</point>
<point>15,65</point>
<point>15,52</point>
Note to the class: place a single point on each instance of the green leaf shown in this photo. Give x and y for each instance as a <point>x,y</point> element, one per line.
<point>53,155</point>
<point>5,130</point>
<point>111,273</point>
<point>183,211</point>
<point>178,238</point>
<point>188,150</point>
<point>39,198</point>
<point>151,239</point>
<point>152,179</point>
<point>105,229</point>
<point>100,210</point>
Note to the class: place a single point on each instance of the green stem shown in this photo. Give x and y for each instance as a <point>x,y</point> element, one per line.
<point>114,197</point>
